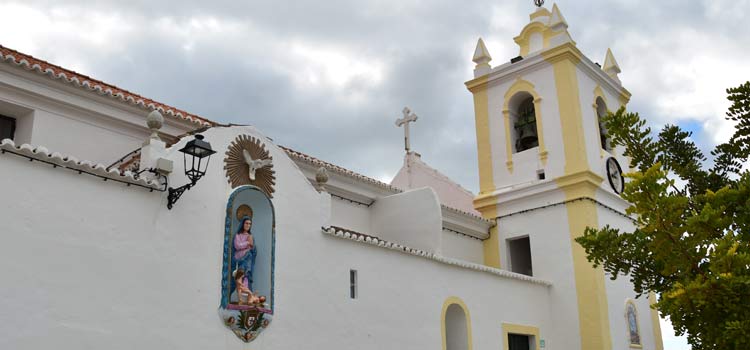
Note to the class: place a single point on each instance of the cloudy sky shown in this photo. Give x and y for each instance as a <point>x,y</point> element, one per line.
<point>329,78</point>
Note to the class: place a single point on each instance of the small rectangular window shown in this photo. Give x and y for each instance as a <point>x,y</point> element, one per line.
<point>540,174</point>
<point>353,284</point>
<point>7,127</point>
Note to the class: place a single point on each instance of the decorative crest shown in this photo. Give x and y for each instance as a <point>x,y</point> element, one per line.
<point>247,162</point>
<point>538,3</point>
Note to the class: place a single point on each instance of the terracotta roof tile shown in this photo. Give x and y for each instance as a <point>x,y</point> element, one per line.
<point>56,72</point>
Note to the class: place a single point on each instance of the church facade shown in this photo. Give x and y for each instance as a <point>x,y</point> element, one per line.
<point>127,223</point>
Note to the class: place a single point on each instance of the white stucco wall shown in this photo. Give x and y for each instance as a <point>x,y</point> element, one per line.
<point>411,218</point>
<point>350,215</point>
<point>462,247</point>
<point>551,257</point>
<point>93,264</point>
<point>621,290</point>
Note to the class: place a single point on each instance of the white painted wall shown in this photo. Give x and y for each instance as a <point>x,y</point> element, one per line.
<point>93,264</point>
<point>411,218</point>
<point>619,291</point>
<point>462,247</point>
<point>552,260</point>
<point>349,215</point>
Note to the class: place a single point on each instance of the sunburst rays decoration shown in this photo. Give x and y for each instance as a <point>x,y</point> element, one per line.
<point>237,169</point>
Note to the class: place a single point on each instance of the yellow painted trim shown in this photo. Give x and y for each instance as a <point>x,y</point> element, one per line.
<point>519,86</point>
<point>571,118</point>
<point>637,324</point>
<point>542,12</point>
<point>487,205</point>
<point>484,149</point>
<point>523,39</point>
<point>598,92</point>
<point>491,248</point>
<point>540,130</point>
<point>624,99</point>
<point>508,145</point>
<point>519,329</point>
<point>456,301</point>
<point>579,181</point>
<point>655,325</point>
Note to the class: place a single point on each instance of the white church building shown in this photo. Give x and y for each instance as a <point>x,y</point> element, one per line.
<point>129,224</point>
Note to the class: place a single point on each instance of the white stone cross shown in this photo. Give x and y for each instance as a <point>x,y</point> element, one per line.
<point>254,164</point>
<point>408,118</point>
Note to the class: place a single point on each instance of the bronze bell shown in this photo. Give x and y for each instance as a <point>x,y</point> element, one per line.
<point>527,137</point>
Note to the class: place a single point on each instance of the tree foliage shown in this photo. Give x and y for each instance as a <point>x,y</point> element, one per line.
<point>691,243</point>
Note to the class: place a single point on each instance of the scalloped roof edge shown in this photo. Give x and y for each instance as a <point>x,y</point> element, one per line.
<point>41,153</point>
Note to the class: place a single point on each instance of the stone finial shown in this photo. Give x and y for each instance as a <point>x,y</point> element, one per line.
<point>154,121</point>
<point>611,67</point>
<point>321,178</point>
<point>556,19</point>
<point>482,58</point>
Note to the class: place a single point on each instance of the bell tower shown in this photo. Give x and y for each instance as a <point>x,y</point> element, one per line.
<point>547,170</point>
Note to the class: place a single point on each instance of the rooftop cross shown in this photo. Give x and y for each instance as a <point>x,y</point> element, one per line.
<point>408,117</point>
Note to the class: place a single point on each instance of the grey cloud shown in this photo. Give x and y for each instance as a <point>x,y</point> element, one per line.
<point>422,47</point>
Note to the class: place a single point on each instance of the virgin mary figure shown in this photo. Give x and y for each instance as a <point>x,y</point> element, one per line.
<point>244,251</point>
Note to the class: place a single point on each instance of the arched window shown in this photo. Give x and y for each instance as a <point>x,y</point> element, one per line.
<point>524,125</point>
<point>601,111</point>
<point>456,335</point>
<point>632,318</point>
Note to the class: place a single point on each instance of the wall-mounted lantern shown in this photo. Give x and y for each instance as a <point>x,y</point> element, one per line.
<point>196,149</point>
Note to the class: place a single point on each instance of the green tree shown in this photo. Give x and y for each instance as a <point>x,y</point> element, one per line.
<point>691,243</point>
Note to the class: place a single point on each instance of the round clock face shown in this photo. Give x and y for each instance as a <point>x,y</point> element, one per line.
<point>614,174</point>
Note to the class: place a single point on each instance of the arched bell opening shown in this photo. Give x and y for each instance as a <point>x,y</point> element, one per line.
<point>601,111</point>
<point>523,122</point>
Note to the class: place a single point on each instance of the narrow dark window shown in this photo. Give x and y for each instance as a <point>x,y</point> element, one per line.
<point>519,342</point>
<point>7,127</point>
<point>353,284</point>
<point>540,174</point>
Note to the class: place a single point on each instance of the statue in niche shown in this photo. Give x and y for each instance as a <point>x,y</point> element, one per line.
<point>244,252</point>
<point>247,283</point>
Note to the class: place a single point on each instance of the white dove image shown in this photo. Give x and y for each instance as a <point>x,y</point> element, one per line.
<point>254,164</point>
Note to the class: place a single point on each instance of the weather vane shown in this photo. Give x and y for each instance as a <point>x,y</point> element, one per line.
<point>538,3</point>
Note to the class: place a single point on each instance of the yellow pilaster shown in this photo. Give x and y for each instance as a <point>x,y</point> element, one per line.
<point>491,246</point>
<point>655,326</point>
<point>482,120</point>
<point>580,182</point>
